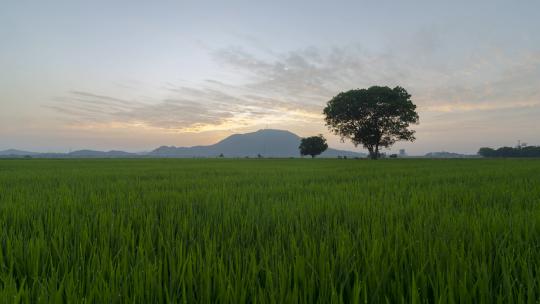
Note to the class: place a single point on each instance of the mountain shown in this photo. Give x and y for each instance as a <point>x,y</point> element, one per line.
<point>75,154</point>
<point>444,154</point>
<point>92,153</point>
<point>267,142</point>
<point>13,152</point>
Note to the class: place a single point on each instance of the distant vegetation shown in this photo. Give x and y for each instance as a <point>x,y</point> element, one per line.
<point>272,231</point>
<point>313,145</point>
<point>375,118</point>
<point>527,151</point>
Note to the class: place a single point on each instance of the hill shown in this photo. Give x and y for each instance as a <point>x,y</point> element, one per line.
<point>445,154</point>
<point>92,153</point>
<point>267,143</point>
<point>13,152</point>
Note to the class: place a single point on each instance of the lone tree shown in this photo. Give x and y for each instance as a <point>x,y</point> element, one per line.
<point>313,145</point>
<point>375,117</point>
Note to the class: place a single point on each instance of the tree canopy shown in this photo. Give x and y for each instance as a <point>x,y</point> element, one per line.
<point>313,145</point>
<point>375,117</point>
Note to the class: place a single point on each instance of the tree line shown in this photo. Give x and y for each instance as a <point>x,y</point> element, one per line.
<point>528,151</point>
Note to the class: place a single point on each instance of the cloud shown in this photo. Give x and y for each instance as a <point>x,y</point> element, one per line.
<point>488,80</point>
<point>294,87</point>
<point>91,110</point>
<point>303,74</point>
<point>515,84</point>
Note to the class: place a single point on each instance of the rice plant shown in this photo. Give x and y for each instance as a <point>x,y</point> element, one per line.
<point>269,231</point>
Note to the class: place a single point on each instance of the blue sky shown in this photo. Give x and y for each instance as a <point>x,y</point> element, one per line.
<point>136,75</point>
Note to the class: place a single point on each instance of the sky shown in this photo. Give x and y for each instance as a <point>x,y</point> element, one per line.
<point>135,75</point>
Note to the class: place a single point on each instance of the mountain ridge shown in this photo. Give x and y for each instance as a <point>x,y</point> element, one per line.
<point>264,142</point>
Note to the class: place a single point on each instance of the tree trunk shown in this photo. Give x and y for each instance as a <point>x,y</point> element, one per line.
<point>376,151</point>
<point>372,154</point>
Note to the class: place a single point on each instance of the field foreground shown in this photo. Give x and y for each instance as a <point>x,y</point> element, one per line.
<point>280,231</point>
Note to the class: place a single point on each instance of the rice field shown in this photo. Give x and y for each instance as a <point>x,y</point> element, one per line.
<point>269,231</point>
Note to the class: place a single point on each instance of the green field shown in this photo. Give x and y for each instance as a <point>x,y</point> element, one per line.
<point>261,231</point>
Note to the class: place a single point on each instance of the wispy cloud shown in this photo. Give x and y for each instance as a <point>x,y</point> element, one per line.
<point>312,76</point>
<point>91,110</point>
<point>295,86</point>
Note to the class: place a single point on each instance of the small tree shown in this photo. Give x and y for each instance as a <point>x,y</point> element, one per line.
<point>375,117</point>
<point>313,145</point>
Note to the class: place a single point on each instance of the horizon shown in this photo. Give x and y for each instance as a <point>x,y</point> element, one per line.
<point>135,76</point>
<point>142,153</point>
<point>387,151</point>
